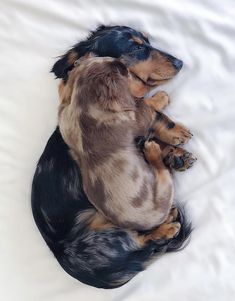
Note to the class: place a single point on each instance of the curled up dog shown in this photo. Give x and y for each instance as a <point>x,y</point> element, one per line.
<point>98,135</point>
<point>100,125</point>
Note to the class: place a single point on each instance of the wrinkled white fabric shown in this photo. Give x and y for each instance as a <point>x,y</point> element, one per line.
<point>202,33</point>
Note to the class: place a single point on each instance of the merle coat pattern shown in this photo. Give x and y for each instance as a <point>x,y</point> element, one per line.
<point>88,246</point>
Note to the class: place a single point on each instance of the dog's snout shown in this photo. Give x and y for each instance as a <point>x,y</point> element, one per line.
<point>178,64</point>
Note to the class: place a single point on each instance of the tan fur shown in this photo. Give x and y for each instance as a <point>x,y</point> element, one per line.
<point>169,154</point>
<point>167,230</point>
<point>144,34</point>
<point>99,222</point>
<point>137,87</point>
<point>99,123</point>
<point>137,40</point>
<point>158,102</point>
<point>170,132</point>
<point>155,70</point>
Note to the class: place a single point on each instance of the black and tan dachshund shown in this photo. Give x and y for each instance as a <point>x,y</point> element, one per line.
<point>88,246</point>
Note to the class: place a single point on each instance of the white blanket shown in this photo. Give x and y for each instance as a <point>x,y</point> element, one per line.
<point>202,34</point>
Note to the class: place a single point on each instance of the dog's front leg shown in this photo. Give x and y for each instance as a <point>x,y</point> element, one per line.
<point>168,131</point>
<point>158,101</point>
<point>163,127</point>
<point>174,157</point>
<point>152,124</point>
<point>146,111</point>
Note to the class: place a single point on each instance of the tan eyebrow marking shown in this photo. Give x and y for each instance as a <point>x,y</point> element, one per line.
<point>144,34</point>
<point>137,40</point>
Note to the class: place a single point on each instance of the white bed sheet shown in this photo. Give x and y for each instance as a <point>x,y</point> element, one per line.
<point>202,33</point>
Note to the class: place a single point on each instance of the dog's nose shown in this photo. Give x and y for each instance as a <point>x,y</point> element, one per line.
<point>178,64</point>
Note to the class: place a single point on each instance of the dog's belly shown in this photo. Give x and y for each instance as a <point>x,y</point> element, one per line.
<point>123,189</point>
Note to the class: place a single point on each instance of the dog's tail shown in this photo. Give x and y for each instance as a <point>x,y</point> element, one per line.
<point>108,259</point>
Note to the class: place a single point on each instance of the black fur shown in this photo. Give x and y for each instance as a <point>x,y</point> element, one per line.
<point>170,125</point>
<point>105,258</point>
<point>158,116</point>
<point>113,41</point>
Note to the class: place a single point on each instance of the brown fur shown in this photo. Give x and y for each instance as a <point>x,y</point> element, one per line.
<point>158,102</point>
<point>170,132</point>
<point>175,136</point>
<point>137,40</point>
<point>155,70</point>
<point>135,174</point>
<point>167,230</point>
<point>99,124</point>
<point>170,153</point>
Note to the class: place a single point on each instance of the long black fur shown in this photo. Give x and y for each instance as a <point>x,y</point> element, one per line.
<point>103,258</point>
<point>106,258</point>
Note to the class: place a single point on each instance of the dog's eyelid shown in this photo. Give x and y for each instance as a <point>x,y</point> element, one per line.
<point>138,46</point>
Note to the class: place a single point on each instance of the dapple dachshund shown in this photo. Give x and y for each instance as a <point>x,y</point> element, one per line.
<point>86,244</point>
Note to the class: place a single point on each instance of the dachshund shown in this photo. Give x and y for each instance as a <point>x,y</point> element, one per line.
<point>99,124</point>
<point>87,245</point>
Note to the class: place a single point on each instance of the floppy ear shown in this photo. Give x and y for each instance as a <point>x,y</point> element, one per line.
<point>117,65</point>
<point>112,89</point>
<point>65,64</point>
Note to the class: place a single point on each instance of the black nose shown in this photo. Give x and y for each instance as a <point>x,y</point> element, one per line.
<point>178,64</point>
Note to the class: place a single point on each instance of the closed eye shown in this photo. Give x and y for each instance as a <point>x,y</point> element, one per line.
<point>137,47</point>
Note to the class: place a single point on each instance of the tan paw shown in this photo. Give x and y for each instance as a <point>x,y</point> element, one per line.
<point>152,151</point>
<point>158,101</point>
<point>177,134</point>
<point>166,231</point>
<point>162,99</point>
<point>178,158</point>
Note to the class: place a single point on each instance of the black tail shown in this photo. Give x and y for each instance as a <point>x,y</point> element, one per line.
<point>113,259</point>
<point>107,258</point>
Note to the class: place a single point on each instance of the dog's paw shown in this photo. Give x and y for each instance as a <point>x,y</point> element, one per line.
<point>178,158</point>
<point>158,101</point>
<point>177,134</point>
<point>162,100</point>
<point>152,151</point>
<point>166,231</point>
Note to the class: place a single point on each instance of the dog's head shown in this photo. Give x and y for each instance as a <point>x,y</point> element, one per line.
<point>152,67</point>
<point>102,82</point>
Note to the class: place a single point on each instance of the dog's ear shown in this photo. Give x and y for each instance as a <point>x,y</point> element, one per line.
<point>117,65</point>
<point>112,89</point>
<point>65,64</point>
